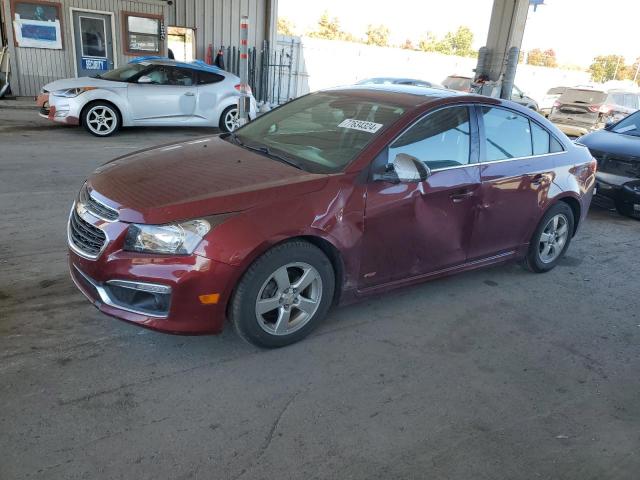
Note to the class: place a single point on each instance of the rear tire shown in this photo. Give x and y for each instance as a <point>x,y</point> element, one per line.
<point>551,239</point>
<point>283,295</point>
<point>229,119</point>
<point>101,119</point>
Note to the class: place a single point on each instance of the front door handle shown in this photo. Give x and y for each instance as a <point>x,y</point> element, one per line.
<point>460,196</point>
<point>189,94</point>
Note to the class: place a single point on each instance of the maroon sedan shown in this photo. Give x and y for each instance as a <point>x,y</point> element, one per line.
<point>337,195</point>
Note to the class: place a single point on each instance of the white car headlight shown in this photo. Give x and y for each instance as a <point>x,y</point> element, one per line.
<point>72,92</point>
<point>178,238</point>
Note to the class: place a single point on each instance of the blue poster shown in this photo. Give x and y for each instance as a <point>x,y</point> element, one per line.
<point>93,64</point>
<point>39,32</point>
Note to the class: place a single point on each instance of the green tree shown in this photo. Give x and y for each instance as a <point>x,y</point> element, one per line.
<point>453,43</point>
<point>608,67</point>
<point>329,29</point>
<point>377,35</point>
<point>286,27</point>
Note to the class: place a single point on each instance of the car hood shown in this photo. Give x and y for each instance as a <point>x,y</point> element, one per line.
<point>613,143</point>
<point>82,82</point>
<point>197,178</point>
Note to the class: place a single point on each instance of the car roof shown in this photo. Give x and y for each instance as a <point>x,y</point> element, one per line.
<point>194,65</point>
<point>393,79</point>
<point>412,95</point>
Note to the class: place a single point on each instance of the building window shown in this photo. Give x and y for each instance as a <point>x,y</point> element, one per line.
<point>141,33</point>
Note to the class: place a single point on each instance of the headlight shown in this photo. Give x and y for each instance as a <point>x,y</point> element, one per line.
<point>72,92</point>
<point>178,238</point>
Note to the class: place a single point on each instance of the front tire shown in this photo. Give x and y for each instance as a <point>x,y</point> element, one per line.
<point>229,119</point>
<point>101,119</point>
<point>284,295</point>
<point>551,239</point>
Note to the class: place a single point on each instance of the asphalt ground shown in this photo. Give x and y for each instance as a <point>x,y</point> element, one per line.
<point>493,374</point>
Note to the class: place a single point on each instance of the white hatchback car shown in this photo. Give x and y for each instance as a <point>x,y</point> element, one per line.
<point>146,92</point>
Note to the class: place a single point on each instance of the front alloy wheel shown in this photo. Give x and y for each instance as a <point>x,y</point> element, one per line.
<point>283,295</point>
<point>101,119</point>
<point>289,298</point>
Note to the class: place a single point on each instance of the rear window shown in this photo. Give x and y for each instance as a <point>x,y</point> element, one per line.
<point>556,91</point>
<point>458,83</point>
<point>587,97</point>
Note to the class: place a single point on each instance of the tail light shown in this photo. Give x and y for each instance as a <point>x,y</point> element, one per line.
<point>593,166</point>
<point>238,87</point>
<point>604,109</point>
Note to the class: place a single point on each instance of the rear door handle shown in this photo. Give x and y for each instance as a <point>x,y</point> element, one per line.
<point>189,94</point>
<point>460,196</point>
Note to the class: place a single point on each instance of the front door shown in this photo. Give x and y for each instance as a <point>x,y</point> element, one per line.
<point>416,228</point>
<point>169,94</point>
<point>93,42</point>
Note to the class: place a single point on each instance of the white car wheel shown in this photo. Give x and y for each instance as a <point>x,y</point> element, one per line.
<point>229,119</point>
<point>101,119</point>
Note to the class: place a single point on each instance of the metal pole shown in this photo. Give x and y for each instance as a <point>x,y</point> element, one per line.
<point>244,100</point>
<point>635,77</point>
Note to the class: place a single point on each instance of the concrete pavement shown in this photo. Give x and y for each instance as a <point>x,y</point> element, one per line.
<point>493,374</point>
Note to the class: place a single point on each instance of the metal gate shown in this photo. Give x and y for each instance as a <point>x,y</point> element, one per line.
<point>270,71</point>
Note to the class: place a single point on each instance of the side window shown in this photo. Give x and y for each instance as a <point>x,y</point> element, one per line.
<point>507,134</point>
<point>616,99</point>
<point>158,75</point>
<point>556,146</point>
<point>541,139</point>
<point>441,139</point>
<point>205,78</point>
<point>631,101</point>
<point>180,76</point>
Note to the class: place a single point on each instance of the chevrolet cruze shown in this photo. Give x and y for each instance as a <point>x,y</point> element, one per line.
<point>332,197</point>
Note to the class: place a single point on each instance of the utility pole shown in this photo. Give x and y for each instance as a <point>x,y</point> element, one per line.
<point>244,102</point>
<point>635,77</point>
<point>615,72</point>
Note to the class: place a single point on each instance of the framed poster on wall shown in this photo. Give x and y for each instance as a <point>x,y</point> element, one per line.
<point>37,24</point>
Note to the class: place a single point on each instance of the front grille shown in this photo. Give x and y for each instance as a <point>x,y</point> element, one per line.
<point>98,209</point>
<point>84,236</point>
<point>617,164</point>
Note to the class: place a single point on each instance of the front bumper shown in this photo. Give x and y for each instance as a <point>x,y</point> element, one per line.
<point>184,294</point>
<point>577,130</point>
<point>619,189</point>
<point>60,109</point>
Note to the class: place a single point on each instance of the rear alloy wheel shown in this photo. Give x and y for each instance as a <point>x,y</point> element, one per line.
<point>551,239</point>
<point>284,295</point>
<point>229,120</point>
<point>101,119</point>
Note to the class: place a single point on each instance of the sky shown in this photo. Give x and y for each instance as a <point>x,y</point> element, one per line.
<point>577,30</point>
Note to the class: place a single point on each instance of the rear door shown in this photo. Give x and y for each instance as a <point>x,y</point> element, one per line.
<point>211,91</point>
<point>517,168</point>
<point>579,107</point>
<point>170,98</point>
<point>416,228</point>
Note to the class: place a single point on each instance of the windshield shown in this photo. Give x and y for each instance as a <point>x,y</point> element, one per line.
<point>458,83</point>
<point>588,97</point>
<point>628,126</point>
<point>124,74</point>
<point>321,132</point>
<point>556,91</point>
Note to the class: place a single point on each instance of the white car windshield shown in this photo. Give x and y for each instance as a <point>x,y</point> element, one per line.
<point>124,74</point>
<point>322,132</point>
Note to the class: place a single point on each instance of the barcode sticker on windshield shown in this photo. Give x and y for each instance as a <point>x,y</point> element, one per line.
<point>361,125</point>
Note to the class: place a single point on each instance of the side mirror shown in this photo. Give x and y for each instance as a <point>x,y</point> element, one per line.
<point>145,79</point>
<point>406,169</point>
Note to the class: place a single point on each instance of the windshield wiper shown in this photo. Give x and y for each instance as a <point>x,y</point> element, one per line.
<point>236,139</point>
<point>267,151</point>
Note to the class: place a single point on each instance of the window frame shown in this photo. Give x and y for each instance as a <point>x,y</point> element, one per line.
<point>483,138</point>
<point>382,158</point>
<point>126,33</point>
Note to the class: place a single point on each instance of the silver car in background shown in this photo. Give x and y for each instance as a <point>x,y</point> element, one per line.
<point>146,92</point>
